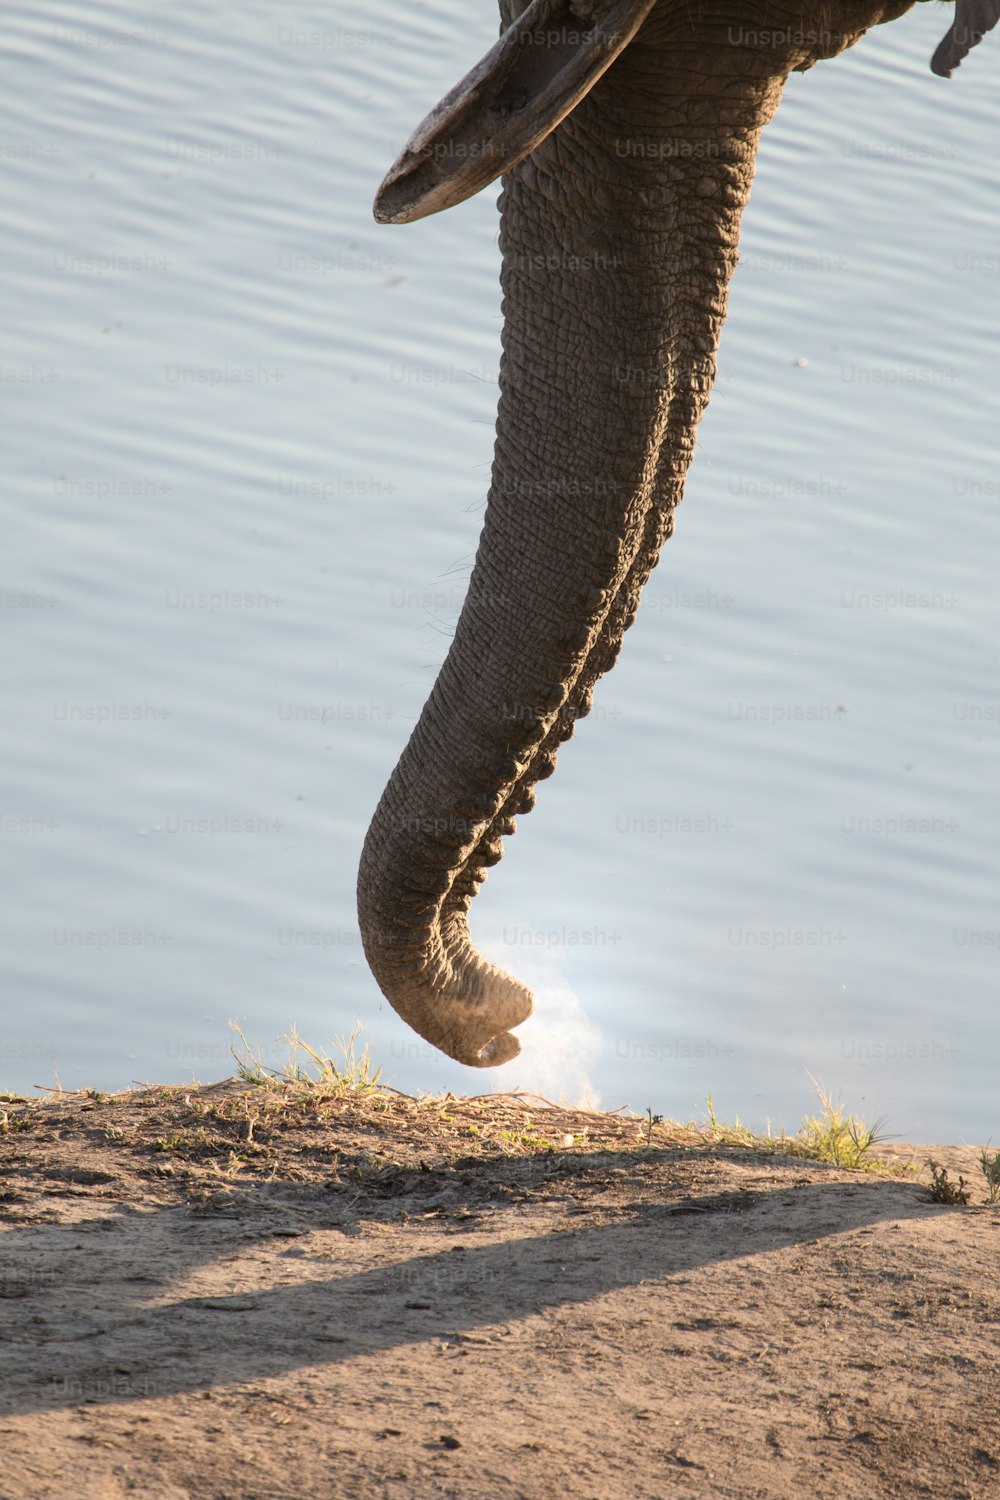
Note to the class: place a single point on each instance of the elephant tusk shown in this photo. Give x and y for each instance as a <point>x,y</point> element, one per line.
<point>530,80</point>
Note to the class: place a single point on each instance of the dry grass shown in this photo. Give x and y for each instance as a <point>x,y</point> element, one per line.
<point>831,1136</point>
<point>235,1126</point>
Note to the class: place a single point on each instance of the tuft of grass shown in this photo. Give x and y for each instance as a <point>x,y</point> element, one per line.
<point>186,1143</point>
<point>990,1168</point>
<point>943,1190</point>
<point>841,1139</point>
<point>525,1140</point>
<point>312,1072</point>
<point>831,1136</point>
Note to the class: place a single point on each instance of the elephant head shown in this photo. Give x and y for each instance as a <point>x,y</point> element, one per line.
<point>627,132</point>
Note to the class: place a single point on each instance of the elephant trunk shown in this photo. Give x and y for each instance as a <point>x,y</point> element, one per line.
<point>619,235</point>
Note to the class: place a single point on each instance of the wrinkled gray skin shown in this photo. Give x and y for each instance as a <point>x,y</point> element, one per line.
<point>619,234</point>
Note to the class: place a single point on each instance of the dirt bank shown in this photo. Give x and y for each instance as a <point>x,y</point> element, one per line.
<point>233,1294</point>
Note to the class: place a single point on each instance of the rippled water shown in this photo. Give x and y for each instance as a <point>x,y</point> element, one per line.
<point>248,437</point>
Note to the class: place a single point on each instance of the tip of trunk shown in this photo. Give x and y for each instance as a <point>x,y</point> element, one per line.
<point>452,996</point>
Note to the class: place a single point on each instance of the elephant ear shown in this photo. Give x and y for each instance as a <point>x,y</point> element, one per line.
<point>544,63</point>
<point>973,19</point>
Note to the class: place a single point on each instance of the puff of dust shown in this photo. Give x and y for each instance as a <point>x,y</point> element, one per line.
<point>560,1045</point>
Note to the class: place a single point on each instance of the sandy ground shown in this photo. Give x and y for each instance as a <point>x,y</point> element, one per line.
<point>228,1294</point>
